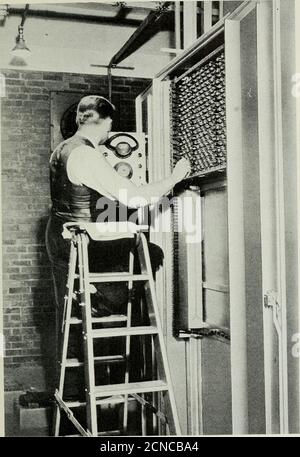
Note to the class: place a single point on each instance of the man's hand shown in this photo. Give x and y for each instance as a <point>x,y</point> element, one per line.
<point>181,170</point>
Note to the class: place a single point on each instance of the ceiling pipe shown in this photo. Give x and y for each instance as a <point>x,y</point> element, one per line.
<point>51,14</point>
<point>127,47</point>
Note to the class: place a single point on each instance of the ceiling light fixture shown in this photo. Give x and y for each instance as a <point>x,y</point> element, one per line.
<point>20,49</point>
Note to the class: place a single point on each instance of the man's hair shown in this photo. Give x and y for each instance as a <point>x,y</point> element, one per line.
<point>91,103</point>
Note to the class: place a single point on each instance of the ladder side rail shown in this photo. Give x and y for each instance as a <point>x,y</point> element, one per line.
<point>155,353</point>
<point>127,349</point>
<point>66,331</point>
<point>143,341</point>
<point>161,353</point>
<point>155,395</point>
<point>83,267</point>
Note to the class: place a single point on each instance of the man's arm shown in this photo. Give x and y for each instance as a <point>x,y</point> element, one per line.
<point>88,166</point>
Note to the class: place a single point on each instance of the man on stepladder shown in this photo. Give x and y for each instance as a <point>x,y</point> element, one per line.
<point>80,178</point>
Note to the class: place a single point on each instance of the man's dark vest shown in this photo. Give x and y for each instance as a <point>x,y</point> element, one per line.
<point>70,202</point>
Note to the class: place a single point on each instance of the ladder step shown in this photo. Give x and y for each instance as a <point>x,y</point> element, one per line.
<point>107,433</point>
<point>74,404</point>
<point>115,400</point>
<point>124,331</point>
<point>72,363</point>
<point>134,387</point>
<point>113,326</point>
<point>117,277</point>
<point>99,320</point>
<point>110,433</point>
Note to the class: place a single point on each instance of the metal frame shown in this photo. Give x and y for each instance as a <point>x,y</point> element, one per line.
<point>138,108</point>
<point>212,285</point>
<point>221,8</point>
<point>177,6</point>
<point>2,340</point>
<point>201,62</point>
<point>235,203</point>
<point>236,234</point>
<point>189,23</point>
<point>191,315</point>
<point>297,28</point>
<point>159,166</point>
<point>267,200</point>
<point>207,16</point>
<point>273,237</point>
<point>201,42</point>
<point>280,221</point>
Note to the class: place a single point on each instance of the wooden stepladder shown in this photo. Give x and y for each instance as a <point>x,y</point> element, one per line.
<point>114,326</point>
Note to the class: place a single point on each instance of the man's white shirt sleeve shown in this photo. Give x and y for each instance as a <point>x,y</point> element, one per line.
<point>88,166</point>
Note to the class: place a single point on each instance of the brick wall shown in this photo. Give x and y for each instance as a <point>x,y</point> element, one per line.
<point>28,295</point>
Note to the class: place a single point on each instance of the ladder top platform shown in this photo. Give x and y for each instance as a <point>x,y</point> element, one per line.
<point>103,231</point>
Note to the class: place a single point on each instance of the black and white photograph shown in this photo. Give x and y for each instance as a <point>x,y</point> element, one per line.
<point>150,230</point>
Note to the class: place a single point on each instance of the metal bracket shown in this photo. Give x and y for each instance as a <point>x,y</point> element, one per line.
<point>205,332</point>
<point>270,299</point>
<point>271,302</point>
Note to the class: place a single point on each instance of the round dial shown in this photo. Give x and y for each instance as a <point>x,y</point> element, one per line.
<point>123,149</point>
<point>124,169</point>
